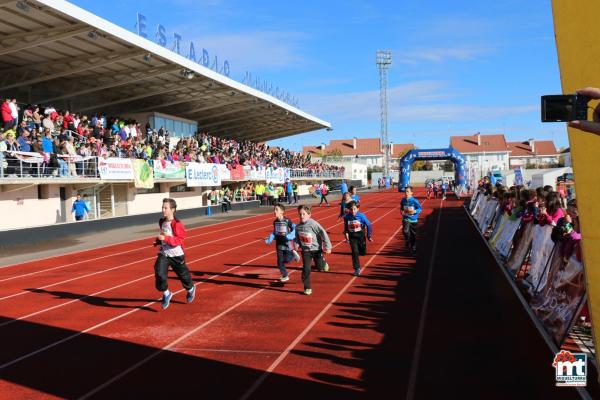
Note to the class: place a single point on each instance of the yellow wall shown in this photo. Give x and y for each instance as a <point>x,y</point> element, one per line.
<point>577,31</point>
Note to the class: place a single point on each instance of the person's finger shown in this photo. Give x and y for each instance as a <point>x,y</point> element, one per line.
<point>586,126</point>
<point>593,92</point>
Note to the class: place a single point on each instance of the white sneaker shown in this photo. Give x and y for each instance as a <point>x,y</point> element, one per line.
<point>326,267</point>
<point>284,279</point>
<point>307,292</point>
<point>296,255</point>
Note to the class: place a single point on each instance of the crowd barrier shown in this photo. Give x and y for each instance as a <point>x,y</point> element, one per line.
<point>143,173</point>
<point>553,284</point>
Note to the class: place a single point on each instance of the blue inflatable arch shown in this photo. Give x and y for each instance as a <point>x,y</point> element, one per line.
<point>409,158</point>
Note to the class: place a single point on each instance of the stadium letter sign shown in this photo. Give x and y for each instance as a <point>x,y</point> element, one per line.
<point>197,175</point>
<point>161,39</point>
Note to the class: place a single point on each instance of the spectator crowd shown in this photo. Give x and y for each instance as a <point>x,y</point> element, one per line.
<point>60,136</point>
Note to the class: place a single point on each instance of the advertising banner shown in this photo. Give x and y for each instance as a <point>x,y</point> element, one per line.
<point>521,247</point>
<point>224,172</point>
<point>197,175</point>
<point>237,173</point>
<point>169,170</point>
<point>541,249</point>
<point>115,168</point>
<point>518,176</point>
<point>142,174</point>
<point>277,175</point>
<point>504,242</point>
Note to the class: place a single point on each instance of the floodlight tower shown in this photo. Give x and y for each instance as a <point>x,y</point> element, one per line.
<point>384,60</point>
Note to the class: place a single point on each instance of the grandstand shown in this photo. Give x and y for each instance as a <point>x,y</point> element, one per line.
<point>60,57</point>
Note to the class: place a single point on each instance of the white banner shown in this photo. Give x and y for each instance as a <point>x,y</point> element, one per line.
<point>115,168</point>
<point>224,172</point>
<point>277,175</point>
<point>541,248</point>
<point>517,257</point>
<point>197,174</point>
<point>504,242</point>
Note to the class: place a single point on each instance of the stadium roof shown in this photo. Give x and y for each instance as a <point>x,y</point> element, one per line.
<point>55,53</point>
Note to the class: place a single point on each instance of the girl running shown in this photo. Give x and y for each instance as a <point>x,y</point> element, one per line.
<point>170,240</point>
<point>346,198</point>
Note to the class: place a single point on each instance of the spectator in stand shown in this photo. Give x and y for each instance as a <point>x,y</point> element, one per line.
<point>14,110</point>
<point>7,117</point>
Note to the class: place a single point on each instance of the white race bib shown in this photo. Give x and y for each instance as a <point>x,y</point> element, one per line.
<point>354,226</point>
<point>305,238</point>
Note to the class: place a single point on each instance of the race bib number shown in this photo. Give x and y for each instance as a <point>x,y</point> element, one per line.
<point>354,226</point>
<point>305,238</point>
<point>281,229</point>
<point>410,208</point>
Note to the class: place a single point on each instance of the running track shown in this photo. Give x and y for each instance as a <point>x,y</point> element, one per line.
<point>88,324</point>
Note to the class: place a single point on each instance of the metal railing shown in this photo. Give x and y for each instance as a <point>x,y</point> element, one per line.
<point>65,166</point>
<point>306,173</point>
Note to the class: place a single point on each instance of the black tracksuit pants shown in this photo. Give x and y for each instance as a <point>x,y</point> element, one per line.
<point>161,271</point>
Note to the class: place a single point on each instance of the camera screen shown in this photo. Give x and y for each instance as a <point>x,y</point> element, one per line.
<point>559,108</point>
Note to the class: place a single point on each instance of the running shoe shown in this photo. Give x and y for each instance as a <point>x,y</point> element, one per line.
<point>284,279</point>
<point>307,292</point>
<point>357,272</point>
<point>325,267</point>
<point>166,300</point>
<point>296,255</point>
<point>191,294</point>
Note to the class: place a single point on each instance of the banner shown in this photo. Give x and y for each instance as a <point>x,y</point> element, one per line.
<point>488,213</point>
<point>504,242</point>
<point>197,174</point>
<point>541,249</point>
<point>169,170</point>
<point>517,256</point>
<point>498,228</point>
<point>115,168</point>
<point>518,176</point>
<point>224,172</point>
<point>558,304</point>
<point>277,175</point>
<point>237,173</point>
<point>142,174</point>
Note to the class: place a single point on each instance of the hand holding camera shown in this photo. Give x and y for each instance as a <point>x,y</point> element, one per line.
<point>573,108</point>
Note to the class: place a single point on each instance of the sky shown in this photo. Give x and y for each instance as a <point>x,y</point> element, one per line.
<point>458,66</point>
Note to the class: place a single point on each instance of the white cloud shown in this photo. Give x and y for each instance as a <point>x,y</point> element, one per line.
<point>419,101</point>
<point>440,55</point>
<point>253,51</point>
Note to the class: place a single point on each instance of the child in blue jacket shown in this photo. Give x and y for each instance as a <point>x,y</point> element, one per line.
<point>410,208</point>
<point>355,224</point>
<point>284,232</point>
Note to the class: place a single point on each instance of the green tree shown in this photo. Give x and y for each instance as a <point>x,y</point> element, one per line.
<point>333,155</point>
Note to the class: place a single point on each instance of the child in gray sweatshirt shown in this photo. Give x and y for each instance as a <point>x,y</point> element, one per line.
<point>313,241</point>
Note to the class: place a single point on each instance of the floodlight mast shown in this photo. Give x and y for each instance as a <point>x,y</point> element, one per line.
<point>384,60</point>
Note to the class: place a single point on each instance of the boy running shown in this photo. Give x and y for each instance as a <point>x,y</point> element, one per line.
<point>410,208</point>
<point>346,198</point>
<point>353,195</point>
<point>313,241</point>
<point>170,240</point>
<point>283,233</point>
<point>355,223</point>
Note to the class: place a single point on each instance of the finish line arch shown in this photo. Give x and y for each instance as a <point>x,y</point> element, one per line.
<point>409,158</point>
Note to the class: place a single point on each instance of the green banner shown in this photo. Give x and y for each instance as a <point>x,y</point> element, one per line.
<point>142,174</point>
<point>169,170</point>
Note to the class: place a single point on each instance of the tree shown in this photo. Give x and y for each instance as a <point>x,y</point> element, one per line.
<point>333,155</point>
<point>448,166</point>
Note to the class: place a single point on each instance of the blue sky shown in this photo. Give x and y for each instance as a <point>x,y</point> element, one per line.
<point>459,66</point>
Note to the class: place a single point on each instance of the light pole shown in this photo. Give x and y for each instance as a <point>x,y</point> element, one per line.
<point>384,60</point>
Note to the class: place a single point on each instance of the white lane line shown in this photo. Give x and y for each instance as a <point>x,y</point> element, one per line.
<point>54,344</point>
<point>222,350</point>
<point>126,251</point>
<point>142,260</point>
<point>410,393</point>
<point>189,333</point>
<point>312,323</point>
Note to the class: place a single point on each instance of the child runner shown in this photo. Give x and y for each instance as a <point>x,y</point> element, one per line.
<point>355,197</point>
<point>170,240</point>
<point>444,187</point>
<point>410,208</point>
<point>313,241</point>
<point>355,223</point>
<point>283,233</point>
<point>324,191</point>
<point>346,198</point>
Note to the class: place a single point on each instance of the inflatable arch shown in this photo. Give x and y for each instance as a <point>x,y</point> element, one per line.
<point>431,154</point>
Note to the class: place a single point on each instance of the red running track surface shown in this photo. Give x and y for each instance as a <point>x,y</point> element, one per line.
<point>89,325</point>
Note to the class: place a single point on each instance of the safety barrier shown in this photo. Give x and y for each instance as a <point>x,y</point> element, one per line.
<point>550,275</point>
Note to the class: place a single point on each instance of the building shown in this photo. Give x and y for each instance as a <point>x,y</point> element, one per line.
<point>483,152</point>
<point>366,151</point>
<point>566,157</point>
<point>533,153</point>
